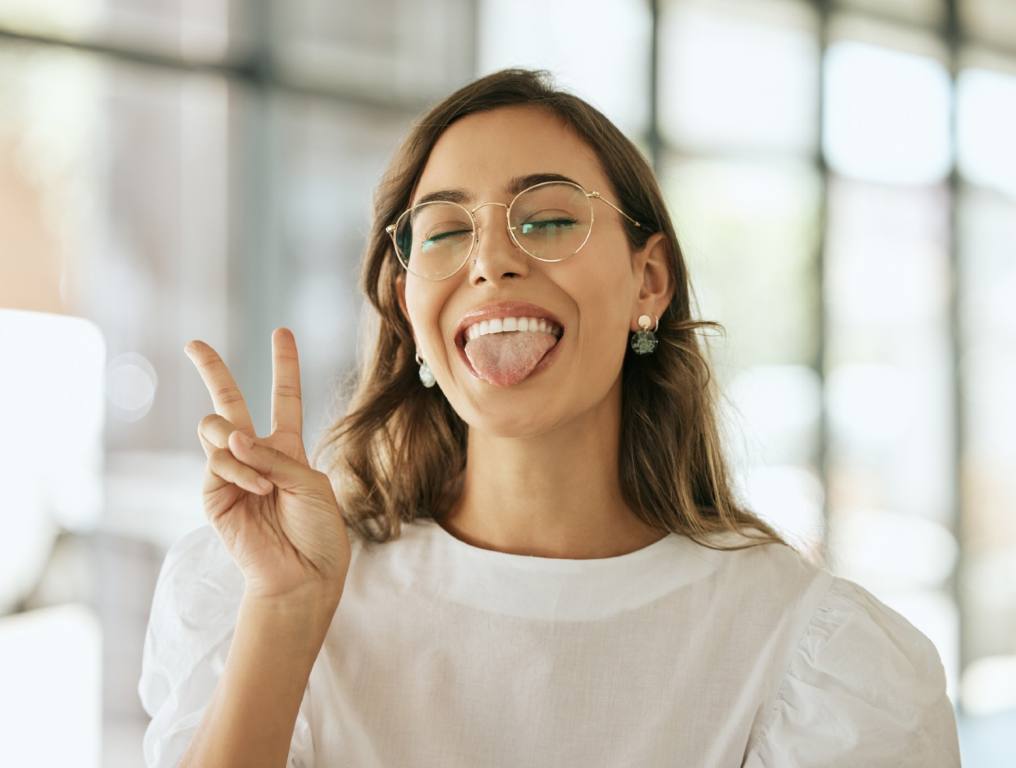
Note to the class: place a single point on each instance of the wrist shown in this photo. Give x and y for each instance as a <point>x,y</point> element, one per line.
<point>304,613</point>
<point>309,595</point>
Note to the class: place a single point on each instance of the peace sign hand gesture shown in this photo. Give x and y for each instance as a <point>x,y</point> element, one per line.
<point>277,517</point>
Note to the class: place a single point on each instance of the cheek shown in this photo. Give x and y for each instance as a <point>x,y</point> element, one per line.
<point>601,289</point>
<point>424,303</point>
<point>602,307</point>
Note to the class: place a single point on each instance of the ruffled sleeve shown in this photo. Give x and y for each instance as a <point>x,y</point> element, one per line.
<point>863,687</point>
<point>194,610</point>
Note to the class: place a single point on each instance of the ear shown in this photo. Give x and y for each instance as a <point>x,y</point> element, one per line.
<point>651,267</point>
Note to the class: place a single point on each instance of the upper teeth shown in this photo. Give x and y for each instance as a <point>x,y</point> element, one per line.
<point>501,324</point>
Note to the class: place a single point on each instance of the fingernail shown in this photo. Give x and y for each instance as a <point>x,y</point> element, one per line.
<point>244,440</point>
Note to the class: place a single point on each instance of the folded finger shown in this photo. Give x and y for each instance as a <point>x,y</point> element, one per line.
<point>206,446</point>
<point>215,430</point>
<point>225,465</point>
<point>283,470</point>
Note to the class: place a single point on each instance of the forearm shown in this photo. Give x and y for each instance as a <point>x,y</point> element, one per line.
<point>249,721</point>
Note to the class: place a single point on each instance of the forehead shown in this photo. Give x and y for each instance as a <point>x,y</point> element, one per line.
<point>480,156</point>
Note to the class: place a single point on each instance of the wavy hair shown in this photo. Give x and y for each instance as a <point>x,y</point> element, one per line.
<point>399,451</point>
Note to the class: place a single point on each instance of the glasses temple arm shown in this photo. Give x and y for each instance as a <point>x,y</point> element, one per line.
<point>598,196</point>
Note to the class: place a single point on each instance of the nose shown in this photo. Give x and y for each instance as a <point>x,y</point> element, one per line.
<point>495,255</point>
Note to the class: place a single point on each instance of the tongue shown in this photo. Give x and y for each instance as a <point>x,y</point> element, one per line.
<point>507,358</point>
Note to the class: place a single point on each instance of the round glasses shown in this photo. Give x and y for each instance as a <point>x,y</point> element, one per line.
<point>550,221</point>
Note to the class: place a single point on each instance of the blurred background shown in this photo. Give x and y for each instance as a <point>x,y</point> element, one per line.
<point>842,175</point>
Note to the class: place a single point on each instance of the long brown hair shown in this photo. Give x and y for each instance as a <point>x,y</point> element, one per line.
<point>399,451</point>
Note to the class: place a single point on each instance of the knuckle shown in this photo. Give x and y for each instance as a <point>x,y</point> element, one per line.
<point>219,459</point>
<point>287,390</point>
<point>228,395</point>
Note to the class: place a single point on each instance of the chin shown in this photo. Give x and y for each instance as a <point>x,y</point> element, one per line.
<point>507,420</point>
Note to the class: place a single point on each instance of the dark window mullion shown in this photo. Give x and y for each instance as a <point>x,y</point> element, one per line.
<point>653,138</point>
<point>953,37</point>
<point>822,167</point>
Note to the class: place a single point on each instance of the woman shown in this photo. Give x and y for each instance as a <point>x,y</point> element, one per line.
<point>547,563</point>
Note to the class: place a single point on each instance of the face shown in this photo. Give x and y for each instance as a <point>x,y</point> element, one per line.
<point>596,293</point>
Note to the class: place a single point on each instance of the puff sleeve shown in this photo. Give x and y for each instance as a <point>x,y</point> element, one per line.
<point>194,610</point>
<point>862,687</point>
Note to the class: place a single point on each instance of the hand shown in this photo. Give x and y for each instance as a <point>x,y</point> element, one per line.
<point>277,517</point>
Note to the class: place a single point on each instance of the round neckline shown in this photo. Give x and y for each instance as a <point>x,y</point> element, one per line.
<point>554,564</point>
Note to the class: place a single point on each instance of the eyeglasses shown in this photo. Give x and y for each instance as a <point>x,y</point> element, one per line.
<point>550,221</point>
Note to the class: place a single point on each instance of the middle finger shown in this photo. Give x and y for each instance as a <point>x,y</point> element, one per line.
<point>287,399</point>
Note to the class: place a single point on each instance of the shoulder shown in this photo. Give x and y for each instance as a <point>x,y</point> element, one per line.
<point>773,577</point>
<point>849,616</point>
<point>861,686</point>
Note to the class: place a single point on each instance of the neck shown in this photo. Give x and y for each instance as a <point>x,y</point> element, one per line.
<point>556,494</point>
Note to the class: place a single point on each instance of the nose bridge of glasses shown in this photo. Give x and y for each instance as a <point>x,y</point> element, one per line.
<point>476,219</point>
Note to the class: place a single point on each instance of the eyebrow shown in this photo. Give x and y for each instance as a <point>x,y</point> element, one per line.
<point>515,185</point>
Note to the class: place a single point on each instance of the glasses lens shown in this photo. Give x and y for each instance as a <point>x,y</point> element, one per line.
<point>433,239</point>
<point>552,221</point>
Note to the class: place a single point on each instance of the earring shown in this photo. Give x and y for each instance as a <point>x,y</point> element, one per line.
<point>644,341</point>
<point>426,374</point>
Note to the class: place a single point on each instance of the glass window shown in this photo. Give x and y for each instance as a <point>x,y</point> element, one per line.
<point>989,695</point>
<point>889,401</point>
<point>599,51</point>
<point>127,172</point>
<point>331,157</point>
<point>887,116</point>
<point>52,661</point>
<point>986,125</point>
<point>772,413</point>
<point>738,75</point>
<point>993,21</point>
<point>401,51</point>
<point>987,222</point>
<point>123,177</point>
<point>748,231</point>
<point>927,12</point>
<point>206,30</point>
<point>887,353</point>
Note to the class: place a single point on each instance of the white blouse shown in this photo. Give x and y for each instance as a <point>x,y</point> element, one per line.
<point>445,654</point>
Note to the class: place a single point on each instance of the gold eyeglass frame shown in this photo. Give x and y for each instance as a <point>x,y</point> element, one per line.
<point>391,228</point>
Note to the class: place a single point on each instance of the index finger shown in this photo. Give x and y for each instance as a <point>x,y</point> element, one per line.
<point>221,385</point>
<point>287,400</point>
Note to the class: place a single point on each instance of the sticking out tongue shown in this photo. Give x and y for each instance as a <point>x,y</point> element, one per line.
<point>509,357</point>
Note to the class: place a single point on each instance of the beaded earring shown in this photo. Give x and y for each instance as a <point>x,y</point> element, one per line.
<point>644,341</point>
<point>426,374</point>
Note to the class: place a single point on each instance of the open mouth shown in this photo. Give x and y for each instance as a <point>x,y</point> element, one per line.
<point>549,357</point>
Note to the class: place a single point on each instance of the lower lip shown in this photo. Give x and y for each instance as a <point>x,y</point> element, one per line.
<point>545,361</point>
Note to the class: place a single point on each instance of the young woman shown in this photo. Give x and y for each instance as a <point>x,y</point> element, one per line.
<point>522,548</point>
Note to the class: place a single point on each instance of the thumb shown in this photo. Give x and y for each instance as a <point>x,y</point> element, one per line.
<point>282,470</point>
